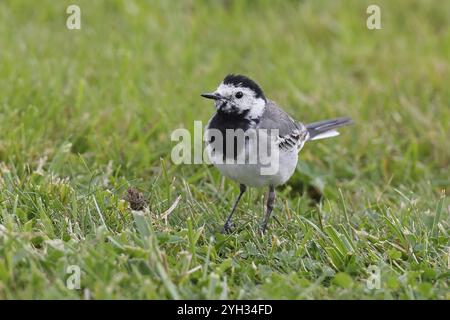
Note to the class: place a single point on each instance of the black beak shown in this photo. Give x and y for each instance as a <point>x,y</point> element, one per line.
<point>213,96</point>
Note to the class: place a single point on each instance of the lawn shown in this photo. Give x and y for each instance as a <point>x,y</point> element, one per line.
<point>87,114</point>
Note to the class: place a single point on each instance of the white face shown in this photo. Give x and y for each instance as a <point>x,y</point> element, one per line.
<point>239,100</point>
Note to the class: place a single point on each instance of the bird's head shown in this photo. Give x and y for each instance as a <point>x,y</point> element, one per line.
<point>239,96</point>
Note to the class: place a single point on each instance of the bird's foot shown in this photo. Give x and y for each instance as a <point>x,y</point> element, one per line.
<point>228,227</point>
<point>263,228</point>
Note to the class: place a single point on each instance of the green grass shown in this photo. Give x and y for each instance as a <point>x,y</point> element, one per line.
<point>86,114</point>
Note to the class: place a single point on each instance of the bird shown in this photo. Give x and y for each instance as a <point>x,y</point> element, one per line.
<point>241,106</point>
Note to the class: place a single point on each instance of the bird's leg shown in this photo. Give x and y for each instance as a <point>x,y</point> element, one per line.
<point>270,204</point>
<point>227,226</point>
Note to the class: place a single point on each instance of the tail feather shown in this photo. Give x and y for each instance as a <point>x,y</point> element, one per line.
<point>326,128</point>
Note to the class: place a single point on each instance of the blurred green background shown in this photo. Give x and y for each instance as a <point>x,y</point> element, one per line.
<point>84,114</point>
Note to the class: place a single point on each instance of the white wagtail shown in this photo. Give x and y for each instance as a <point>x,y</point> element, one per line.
<point>241,104</point>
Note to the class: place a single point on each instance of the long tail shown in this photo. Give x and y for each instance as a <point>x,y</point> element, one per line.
<point>327,128</point>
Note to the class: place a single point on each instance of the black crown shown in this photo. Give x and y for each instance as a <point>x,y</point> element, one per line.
<point>239,80</point>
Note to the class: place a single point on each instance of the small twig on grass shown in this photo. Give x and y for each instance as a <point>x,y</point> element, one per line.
<point>165,215</point>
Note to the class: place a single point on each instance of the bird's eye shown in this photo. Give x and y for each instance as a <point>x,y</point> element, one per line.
<point>239,94</point>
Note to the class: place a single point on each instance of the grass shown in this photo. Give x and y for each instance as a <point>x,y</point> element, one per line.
<point>84,115</point>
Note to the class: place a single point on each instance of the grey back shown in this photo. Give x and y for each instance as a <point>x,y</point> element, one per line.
<point>275,118</point>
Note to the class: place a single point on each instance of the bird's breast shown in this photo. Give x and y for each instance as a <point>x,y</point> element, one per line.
<point>251,157</point>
